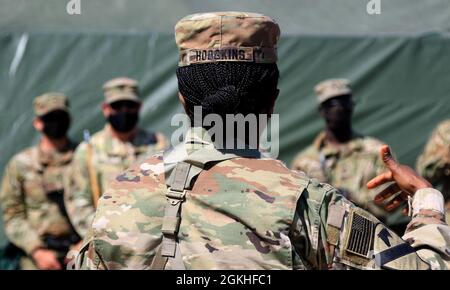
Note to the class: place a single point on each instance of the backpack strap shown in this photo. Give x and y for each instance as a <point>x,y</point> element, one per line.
<point>93,179</point>
<point>92,175</point>
<point>178,182</point>
<point>175,196</point>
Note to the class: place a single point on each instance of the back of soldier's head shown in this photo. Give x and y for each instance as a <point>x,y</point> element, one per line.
<point>227,62</point>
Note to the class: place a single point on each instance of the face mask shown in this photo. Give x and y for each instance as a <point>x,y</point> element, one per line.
<point>123,121</point>
<point>338,113</point>
<point>56,124</point>
<point>338,117</point>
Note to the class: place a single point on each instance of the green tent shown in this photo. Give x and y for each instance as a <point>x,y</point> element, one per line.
<point>398,62</point>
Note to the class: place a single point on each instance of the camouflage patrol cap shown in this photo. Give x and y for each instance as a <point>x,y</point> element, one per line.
<point>227,36</point>
<point>50,102</point>
<point>121,89</point>
<point>332,88</point>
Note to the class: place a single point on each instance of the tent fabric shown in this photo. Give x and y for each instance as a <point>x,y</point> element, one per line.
<point>400,84</point>
<point>400,74</point>
<point>316,17</point>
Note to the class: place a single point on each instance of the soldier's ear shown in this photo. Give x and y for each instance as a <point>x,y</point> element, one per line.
<point>38,124</point>
<point>106,109</point>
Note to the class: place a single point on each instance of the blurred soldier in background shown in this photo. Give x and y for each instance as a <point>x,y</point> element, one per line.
<point>338,155</point>
<point>110,151</point>
<point>434,163</point>
<point>32,190</point>
<point>201,207</point>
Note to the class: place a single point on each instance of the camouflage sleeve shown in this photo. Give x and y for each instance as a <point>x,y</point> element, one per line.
<point>297,163</point>
<point>427,232</point>
<point>78,193</point>
<point>17,227</point>
<point>308,162</point>
<point>434,162</point>
<point>123,234</point>
<point>309,251</point>
<point>88,258</point>
<point>333,233</point>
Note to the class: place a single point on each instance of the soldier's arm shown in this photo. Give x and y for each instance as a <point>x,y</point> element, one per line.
<point>332,232</point>
<point>308,234</point>
<point>435,160</point>
<point>427,230</point>
<point>88,258</point>
<point>114,240</point>
<point>17,227</point>
<point>78,193</point>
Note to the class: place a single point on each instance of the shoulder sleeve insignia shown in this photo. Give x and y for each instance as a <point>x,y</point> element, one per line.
<point>360,237</point>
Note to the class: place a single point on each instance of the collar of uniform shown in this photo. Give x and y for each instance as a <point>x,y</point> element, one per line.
<point>55,157</point>
<point>355,144</point>
<point>319,141</point>
<point>115,147</point>
<point>197,138</point>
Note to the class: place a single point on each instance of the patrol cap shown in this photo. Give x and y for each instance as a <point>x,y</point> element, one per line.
<point>121,89</point>
<point>227,36</point>
<point>50,102</point>
<point>332,88</point>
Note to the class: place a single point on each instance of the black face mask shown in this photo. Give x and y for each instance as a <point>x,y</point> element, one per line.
<point>56,124</point>
<point>338,118</point>
<point>338,113</point>
<point>123,121</point>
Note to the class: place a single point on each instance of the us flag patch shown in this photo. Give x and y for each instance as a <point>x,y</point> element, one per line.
<point>360,240</point>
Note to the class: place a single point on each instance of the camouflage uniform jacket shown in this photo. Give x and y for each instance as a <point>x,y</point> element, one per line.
<point>348,168</point>
<point>434,163</point>
<point>242,213</point>
<point>110,157</point>
<point>31,190</point>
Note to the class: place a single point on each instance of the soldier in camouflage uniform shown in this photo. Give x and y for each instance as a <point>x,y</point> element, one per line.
<point>32,190</point>
<point>434,163</point>
<point>201,207</point>
<point>338,155</point>
<point>109,151</point>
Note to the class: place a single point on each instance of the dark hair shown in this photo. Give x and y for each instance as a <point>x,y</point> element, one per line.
<point>228,87</point>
